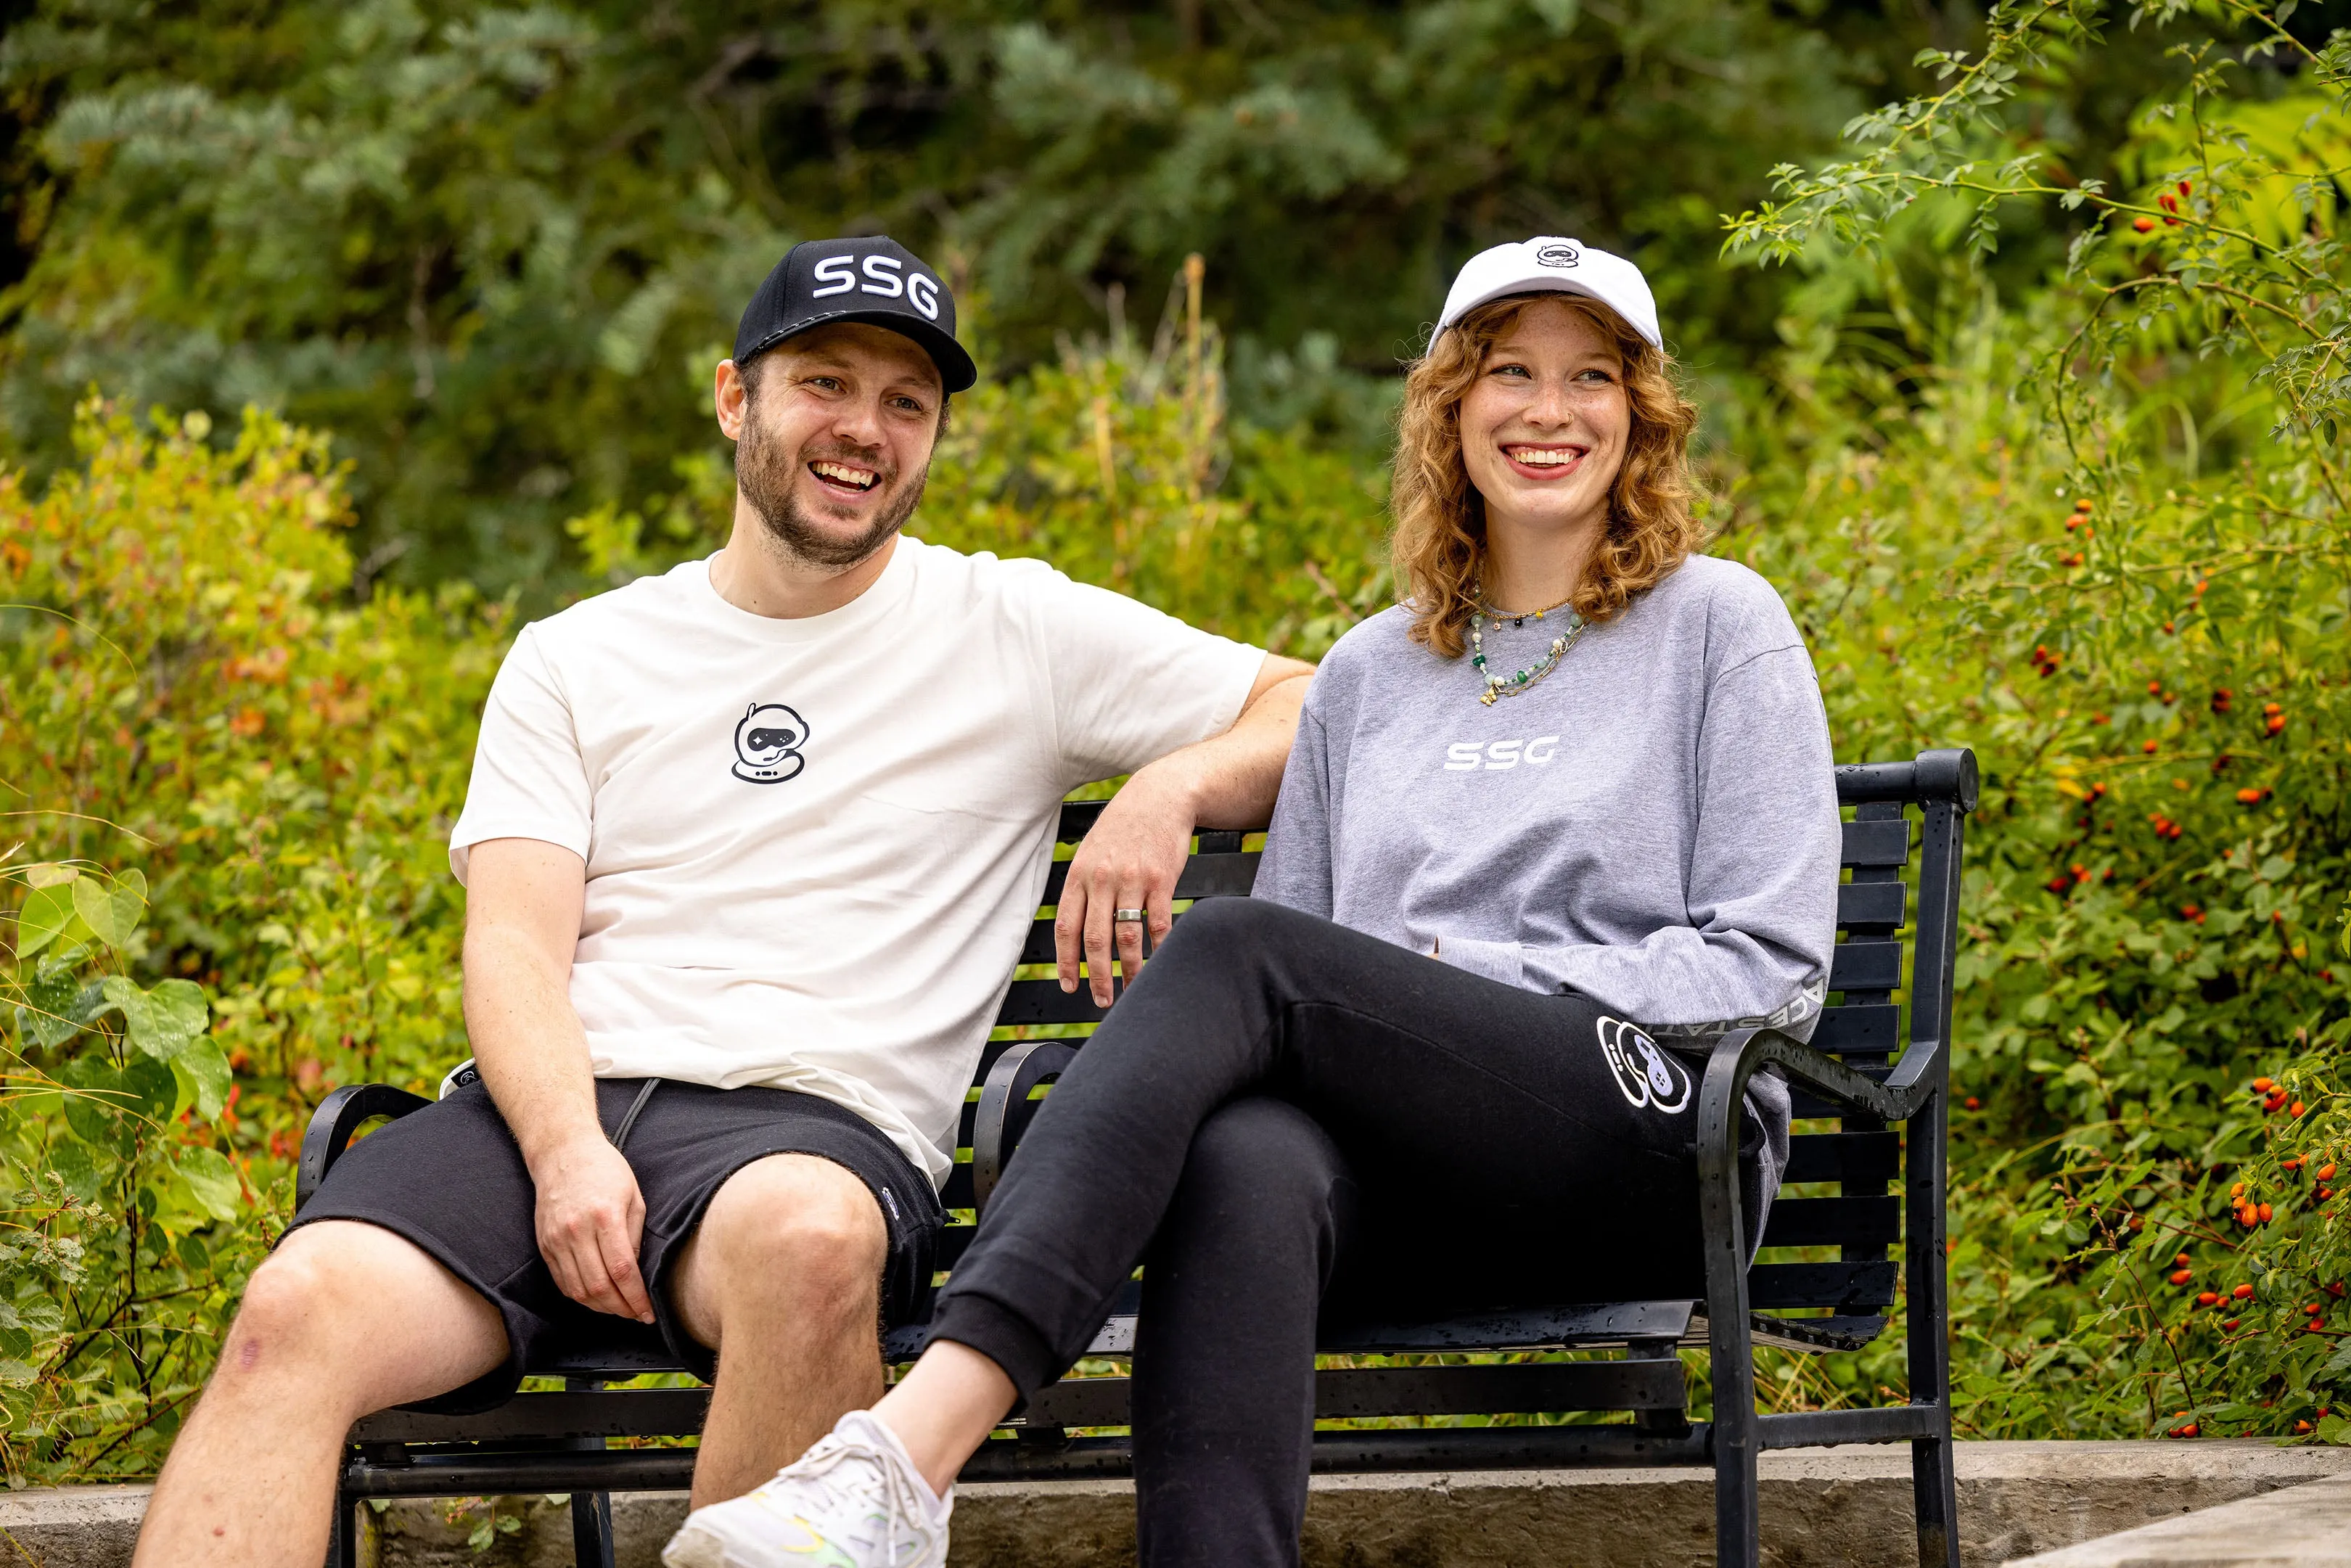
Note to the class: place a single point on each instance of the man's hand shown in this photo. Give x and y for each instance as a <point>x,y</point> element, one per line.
<point>1130,860</point>
<point>590,1217</point>
<point>1134,853</point>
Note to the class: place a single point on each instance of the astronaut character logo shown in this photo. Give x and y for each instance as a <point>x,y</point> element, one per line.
<point>1644,1074</point>
<point>768,743</point>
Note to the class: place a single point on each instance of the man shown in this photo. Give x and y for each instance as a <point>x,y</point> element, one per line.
<point>750,849</point>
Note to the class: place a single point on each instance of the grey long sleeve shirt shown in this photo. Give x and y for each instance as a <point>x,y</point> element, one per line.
<point>1654,825</point>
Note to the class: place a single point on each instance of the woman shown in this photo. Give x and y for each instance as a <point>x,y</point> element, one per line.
<point>1566,808</point>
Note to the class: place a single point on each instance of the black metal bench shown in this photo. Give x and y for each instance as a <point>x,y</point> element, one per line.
<point>1864,1068</point>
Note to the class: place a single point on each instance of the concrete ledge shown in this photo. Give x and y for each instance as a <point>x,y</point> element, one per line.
<point>1849,1507</point>
<point>2308,1526</point>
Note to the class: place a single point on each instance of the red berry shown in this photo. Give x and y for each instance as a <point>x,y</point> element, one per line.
<point>2181,1275</point>
<point>1973,1104</point>
<point>2144,225</point>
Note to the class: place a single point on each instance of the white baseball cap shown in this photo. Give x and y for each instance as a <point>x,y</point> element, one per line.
<point>1548,262</point>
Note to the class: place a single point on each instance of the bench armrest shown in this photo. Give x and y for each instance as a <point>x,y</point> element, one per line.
<point>1005,1110</point>
<point>1897,1098</point>
<point>339,1115</point>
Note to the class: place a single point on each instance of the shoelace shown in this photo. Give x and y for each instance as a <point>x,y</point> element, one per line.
<point>901,1499</point>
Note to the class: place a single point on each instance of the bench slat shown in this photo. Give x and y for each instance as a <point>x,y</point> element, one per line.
<point>1044,1002</point>
<point>1204,876</point>
<point>1856,1159</point>
<point>1869,1027</point>
<point>1608,1323</point>
<point>1876,843</point>
<point>1863,1286</point>
<point>1878,905</point>
<point>1346,1393</point>
<point>1866,965</point>
<point>1834,1222</point>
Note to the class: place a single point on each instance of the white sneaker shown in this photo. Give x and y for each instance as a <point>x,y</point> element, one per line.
<point>854,1501</point>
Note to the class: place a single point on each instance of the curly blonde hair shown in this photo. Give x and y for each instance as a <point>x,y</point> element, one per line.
<point>1440,517</point>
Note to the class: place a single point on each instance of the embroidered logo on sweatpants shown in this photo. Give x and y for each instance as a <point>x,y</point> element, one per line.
<point>1647,1075</point>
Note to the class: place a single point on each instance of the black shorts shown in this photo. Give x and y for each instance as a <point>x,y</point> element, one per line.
<point>450,1179</point>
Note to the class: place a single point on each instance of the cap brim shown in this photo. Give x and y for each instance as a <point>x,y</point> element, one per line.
<point>956,371</point>
<point>1546,285</point>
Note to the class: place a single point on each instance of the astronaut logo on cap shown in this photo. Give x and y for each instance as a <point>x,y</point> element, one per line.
<point>1566,252</point>
<point>768,743</point>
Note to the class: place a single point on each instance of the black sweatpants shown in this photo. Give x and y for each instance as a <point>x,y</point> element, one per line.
<point>1284,1118</point>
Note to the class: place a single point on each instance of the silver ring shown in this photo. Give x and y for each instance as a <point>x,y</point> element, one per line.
<point>1126,917</point>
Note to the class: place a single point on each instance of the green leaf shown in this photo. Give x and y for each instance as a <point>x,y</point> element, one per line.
<point>204,1078</point>
<point>48,912</point>
<point>92,1114</point>
<point>71,1160</point>
<point>163,1021</point>
<point>17,1372</point>
<point>154,1082</point>
<point>47,1016</point>
<point>213,1179</point>
<point>111,914</point>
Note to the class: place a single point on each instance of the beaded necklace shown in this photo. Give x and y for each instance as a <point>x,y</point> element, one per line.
<point>1513,684</point>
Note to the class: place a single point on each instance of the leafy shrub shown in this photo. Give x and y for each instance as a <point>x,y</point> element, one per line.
<point>2105,541</point>
<point>185,702</point>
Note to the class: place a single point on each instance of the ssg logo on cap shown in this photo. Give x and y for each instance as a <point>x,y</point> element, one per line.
<point>1563,254</point>
<point>839,275</point>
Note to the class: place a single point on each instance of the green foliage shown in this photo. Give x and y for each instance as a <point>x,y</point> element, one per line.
<point>494,250</point>
<point>184,696</point>
<point>2146,646</point>
<point>120,1250</point>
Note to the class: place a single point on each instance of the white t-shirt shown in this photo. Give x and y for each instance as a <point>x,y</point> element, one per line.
<point>814,845</point>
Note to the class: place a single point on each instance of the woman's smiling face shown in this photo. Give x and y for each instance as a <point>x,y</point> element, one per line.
<point>1545,425</point>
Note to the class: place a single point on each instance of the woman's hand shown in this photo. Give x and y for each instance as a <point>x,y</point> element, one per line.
<point>1130,860</point>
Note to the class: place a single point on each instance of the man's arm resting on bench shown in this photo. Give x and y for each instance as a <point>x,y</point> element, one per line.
<point>523,899</point>
<point>1135,851</point>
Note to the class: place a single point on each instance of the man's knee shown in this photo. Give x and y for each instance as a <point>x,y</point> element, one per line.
<point>796,1221</point>
<point>306,1301</point>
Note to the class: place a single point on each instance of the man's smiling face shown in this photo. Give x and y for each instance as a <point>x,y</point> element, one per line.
<point>832,448</point>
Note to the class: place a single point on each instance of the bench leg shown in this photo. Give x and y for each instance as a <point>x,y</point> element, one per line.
<point>343,1539</point>
<point>592,1529</point>
<point>1731,1348</point>
<point>1934,1483</point>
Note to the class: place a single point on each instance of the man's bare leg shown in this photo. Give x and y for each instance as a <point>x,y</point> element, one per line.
<point>783,1276</point>
<point>343,1319</point>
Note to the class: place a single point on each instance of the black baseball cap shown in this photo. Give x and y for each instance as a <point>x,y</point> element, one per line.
<point>873,280</point>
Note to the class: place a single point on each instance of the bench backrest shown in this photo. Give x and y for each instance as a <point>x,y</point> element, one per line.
<point>1896,822</point>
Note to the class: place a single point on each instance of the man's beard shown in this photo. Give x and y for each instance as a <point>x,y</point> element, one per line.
<point>766,480</point>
